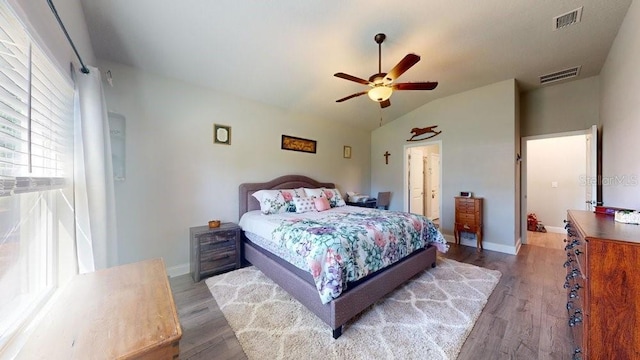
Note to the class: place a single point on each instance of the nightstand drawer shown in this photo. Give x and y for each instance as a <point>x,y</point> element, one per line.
<point>466,227</point>
<point>214,237</point>
<point>468,208</point>
<point>464,217</point>
<point>218,259</point>
<point>213,244</point>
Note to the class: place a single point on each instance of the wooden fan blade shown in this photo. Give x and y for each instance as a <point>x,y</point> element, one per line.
<point>405,64</point>
<point>384,104</point>
<point>427,85</point>
<point>351,78</point>
<point>352,96</point>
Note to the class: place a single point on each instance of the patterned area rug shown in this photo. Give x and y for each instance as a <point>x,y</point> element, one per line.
<point>429,317</point>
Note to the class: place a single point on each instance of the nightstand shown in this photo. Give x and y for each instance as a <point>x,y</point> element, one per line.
<point>468,218</point>
<point>214,250</point>
<point>370,203</point>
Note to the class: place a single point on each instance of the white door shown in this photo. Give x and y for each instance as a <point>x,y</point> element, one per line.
<point>425,183</point>
<point>592,170</point>
<point>433,172</point>
<point>416,181</point>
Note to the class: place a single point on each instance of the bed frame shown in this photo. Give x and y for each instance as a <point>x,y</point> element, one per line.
<point>300,285</point>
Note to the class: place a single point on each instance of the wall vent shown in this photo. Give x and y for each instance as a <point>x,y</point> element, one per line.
<point>560,75</point>
<point>570,18</point>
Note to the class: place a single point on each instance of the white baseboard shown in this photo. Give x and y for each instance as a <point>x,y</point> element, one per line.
<point>555,229</point>
<point>507,249</point>
<point>178,270</point>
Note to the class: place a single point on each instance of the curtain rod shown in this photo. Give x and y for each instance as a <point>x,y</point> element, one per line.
<point>84,69</point>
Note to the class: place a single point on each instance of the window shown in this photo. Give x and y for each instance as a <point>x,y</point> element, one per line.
<point>36,145</point>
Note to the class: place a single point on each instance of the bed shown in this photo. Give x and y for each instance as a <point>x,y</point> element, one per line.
<point>300,284</point>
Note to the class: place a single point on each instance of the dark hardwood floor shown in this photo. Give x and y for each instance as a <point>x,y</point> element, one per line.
<point>525,317</point>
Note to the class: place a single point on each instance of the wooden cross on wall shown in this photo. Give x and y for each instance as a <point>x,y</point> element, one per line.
<point>386,157</point>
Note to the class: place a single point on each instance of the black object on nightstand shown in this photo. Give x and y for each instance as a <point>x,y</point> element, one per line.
<point>214,250</point>
<point>369,203</point>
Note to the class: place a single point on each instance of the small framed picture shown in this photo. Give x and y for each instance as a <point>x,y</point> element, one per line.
<point>221,134</point>
<point>466,194</point>
<point>346,152</point>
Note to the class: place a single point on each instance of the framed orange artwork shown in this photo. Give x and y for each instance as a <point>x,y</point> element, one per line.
<point>298,144</point>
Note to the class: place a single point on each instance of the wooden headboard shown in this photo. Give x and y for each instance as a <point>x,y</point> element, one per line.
<point>248,202</point>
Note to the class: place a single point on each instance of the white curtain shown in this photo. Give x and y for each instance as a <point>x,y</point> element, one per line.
<point>96,241</point>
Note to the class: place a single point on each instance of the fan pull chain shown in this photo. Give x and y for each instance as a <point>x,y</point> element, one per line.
<point>380,117</point>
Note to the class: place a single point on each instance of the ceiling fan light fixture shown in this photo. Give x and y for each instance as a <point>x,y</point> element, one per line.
<point>380,93</point>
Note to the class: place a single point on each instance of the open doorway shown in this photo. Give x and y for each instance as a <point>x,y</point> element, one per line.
<point>423,176</point>
<point>559,173</point>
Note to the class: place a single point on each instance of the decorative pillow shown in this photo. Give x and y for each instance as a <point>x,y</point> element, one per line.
<point>335,199</point>
<point>322,203</point>
<point>271,201</point>
<point>288,195</point>
<point>304,204</point>
<point>333,195</point>
<point>314,193</point>
<point>278,201</point>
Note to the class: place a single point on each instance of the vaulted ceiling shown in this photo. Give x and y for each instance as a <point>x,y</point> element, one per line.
<point>285,52</point>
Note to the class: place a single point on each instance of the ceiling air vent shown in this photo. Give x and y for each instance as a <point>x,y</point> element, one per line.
<point>567,19</point>
<point>560,75</point>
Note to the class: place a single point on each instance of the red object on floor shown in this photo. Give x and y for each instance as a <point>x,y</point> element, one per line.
<point>532,222</point>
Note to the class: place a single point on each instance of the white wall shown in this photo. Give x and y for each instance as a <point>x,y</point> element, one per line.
<point>561,108</point>
<point>176,177</point>
<point>478,154</point>
<point>560,160</point>
<point>620,113</point>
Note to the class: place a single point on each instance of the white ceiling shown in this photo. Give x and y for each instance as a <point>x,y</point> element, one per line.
<point>285,52</point>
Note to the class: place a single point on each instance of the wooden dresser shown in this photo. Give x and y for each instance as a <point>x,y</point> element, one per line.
<point>603,286</point>
<point>468,218</point>
<point>124,312</point>
<point>214,250</point>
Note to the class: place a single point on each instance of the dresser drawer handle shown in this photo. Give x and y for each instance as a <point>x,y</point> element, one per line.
<point>567,263</point>
<point>569,305</point>
<point>576,354</point>
<point>573,274</point>
<point>576,318</point>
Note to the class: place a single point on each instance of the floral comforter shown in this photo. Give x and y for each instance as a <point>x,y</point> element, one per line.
<point>344,247</point>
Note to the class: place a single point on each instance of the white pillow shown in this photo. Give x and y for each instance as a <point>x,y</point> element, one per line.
<point>314,193</point>
<point>304,204</point>
<point>278,201</point>
<point>271,201</point>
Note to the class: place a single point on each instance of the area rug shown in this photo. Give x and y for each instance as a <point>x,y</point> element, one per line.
<point>428,317</point>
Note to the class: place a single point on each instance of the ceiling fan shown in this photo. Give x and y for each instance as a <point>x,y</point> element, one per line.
<point>382,84</point>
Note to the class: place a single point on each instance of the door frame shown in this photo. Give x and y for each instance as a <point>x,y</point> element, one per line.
<point>439,188</point>
<point>523,172</point>
<point>405,169</point>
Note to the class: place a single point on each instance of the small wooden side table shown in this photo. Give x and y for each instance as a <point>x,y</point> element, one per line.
<point>124,312</point>
<point>214,250</point>
<point>468,218</point>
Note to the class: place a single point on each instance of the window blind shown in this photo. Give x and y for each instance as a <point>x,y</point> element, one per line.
<point>36,114</point>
